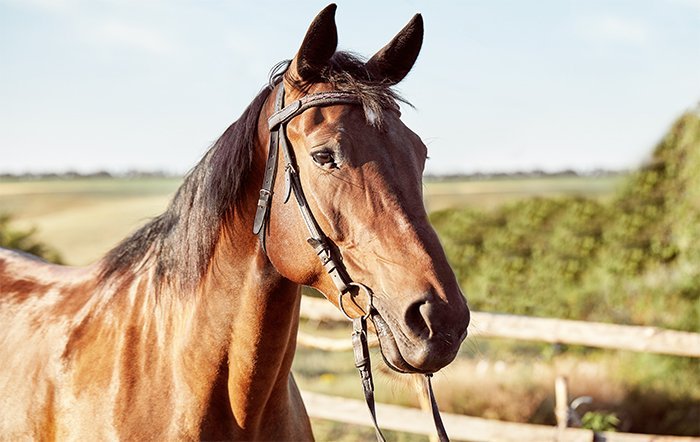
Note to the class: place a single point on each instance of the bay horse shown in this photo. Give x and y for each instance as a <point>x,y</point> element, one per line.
<point>187,329</point>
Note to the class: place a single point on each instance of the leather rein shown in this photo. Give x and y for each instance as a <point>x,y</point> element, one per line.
<point>331,261</point>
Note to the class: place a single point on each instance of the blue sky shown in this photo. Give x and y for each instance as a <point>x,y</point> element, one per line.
<point>499,85</point>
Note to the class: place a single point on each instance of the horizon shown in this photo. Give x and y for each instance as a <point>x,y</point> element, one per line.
<point>142,173</point>
<point>498,88</point>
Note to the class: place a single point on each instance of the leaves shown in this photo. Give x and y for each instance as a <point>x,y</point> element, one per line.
<point>25,241</point>
<point>634,259</point>
<point>600,421</point>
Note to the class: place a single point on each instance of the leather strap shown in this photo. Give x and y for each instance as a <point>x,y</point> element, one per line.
<point>317,239</point>
<point>362,362</point>
<point>439,427</point>
<point>331,261</point>
<point>278,139</point>
<point>364,366</point>
<point>283,115</point>
<point>263,210</point>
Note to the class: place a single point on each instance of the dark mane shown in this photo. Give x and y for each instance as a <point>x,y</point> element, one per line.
<point>181,241</point>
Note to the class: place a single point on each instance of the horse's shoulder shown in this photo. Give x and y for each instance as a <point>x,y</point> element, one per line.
<point>18,265</point>
<point>6,254</point>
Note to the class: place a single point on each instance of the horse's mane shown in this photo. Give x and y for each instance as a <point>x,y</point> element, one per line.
<point>181,241</point>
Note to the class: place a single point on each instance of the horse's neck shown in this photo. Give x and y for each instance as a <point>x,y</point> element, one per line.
<point>263,319</point>
<point>222,355</point>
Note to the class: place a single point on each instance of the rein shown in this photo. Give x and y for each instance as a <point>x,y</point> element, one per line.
<point>332,262</point>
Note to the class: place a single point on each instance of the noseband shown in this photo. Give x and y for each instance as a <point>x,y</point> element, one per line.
<point>331,261</point>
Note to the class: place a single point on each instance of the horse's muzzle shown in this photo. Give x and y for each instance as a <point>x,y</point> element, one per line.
<point>426,340</point>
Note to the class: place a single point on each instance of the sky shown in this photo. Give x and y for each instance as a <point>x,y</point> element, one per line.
<point>499,85</point>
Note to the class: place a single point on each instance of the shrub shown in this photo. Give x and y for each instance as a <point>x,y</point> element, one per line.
<point>633,260</point>
<point>24,240</point>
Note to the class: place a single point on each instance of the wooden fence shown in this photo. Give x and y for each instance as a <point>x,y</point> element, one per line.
<point>412,420</point>
<point>491,325</point>
<point>556,331</point>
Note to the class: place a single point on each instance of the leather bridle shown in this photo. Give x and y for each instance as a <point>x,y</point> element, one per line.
<point>331,261</point>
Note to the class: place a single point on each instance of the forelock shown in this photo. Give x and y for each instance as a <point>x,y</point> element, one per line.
<point>346,72</point>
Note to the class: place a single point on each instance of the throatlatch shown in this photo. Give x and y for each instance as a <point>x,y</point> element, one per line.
<point>331,261</point>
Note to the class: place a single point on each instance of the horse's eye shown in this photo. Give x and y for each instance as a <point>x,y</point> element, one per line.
<point>323,158</point>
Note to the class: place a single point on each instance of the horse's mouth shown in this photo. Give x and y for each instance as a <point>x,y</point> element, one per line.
<point>389,348</point>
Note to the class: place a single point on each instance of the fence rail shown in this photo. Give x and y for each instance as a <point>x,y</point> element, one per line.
<point>493,325</point>
<point>560,331</point>
<point>394,417</point>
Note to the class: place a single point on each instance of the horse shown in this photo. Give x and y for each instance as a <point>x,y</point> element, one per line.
<point>187,328</point>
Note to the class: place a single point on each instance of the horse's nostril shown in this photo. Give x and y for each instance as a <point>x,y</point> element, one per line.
<point>417,319</point>
<point>425,319</point>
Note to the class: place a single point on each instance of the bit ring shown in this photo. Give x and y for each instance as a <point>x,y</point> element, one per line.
<point>366,289</point>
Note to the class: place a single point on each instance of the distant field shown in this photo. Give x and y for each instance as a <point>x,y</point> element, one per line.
<point>491,193</point>
<point>84,218</point>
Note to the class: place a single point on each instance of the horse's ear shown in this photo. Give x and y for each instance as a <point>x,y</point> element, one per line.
<point>393,62</point>
<point>318,46</point>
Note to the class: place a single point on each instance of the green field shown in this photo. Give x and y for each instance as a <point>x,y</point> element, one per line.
<point>492,193</point>
<point>84,218</point>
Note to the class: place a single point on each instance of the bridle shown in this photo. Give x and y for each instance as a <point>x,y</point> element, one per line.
<point>331,261</point>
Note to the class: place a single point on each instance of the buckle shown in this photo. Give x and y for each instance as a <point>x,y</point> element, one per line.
<point>264,199</point>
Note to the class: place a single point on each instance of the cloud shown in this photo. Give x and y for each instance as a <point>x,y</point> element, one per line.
<point>47,6</point>
<point>614,30</point>
<point>134,37</point>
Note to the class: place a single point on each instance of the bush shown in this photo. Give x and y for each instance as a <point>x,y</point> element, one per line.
<point>24,240</point>
<point>514,259</point>
<point>634,260</point>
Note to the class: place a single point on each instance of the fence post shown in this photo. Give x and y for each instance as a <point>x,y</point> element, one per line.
<point>561,404</point>
<point>423,400</point>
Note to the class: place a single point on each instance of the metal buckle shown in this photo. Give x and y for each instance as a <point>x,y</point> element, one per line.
<point>264,198</point>
<point>366,289</point>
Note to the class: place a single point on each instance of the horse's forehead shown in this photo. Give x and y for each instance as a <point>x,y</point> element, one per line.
<point>345,130</point>
<point>352,122</point>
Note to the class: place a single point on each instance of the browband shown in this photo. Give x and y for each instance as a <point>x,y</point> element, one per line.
<point>319,99</point>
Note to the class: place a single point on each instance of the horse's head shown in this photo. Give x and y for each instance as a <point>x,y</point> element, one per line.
<point>360,168</point>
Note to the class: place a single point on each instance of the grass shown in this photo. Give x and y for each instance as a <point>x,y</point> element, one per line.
<point>325,430</point>
<point>84,218</point>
